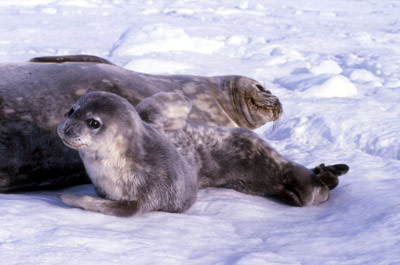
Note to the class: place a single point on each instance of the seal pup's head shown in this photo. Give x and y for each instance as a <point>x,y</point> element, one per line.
<point>101,122</point>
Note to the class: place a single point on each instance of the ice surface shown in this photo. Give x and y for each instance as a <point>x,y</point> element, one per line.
<point>335,67</point>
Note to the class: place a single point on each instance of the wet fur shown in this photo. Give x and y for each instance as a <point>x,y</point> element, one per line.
<point>237,158</point>
<point>133,167</point>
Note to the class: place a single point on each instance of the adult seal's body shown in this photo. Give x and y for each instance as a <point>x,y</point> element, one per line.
<point>132,166</point>
<point>237,158</point>
<point>217,157</point>
<point>34,96</point>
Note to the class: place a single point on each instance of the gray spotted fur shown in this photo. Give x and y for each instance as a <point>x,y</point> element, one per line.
<point>237,158</point>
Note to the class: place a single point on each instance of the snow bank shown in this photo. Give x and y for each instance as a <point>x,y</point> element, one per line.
<point>162,38</point>
<point>324,86</point>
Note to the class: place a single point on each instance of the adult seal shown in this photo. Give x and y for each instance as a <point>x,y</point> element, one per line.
<point>34,96</point>
<point>126,164</point>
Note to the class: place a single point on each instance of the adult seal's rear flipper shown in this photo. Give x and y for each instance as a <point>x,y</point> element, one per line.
<point>329,175</point>
<point>165,110</point>
<point>80,58</point>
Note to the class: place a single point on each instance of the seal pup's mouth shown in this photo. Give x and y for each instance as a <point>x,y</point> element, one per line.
<point>77,144</point>
<point>64,133</point>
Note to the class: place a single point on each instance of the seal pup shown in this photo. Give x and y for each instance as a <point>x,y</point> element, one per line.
<point>35,95</point>
<point>132,166</point>
<point>237,158</point>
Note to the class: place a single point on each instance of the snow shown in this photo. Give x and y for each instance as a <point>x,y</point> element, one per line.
<point>326,67</point>
<point>335,86</point>
<point>164,38</point>
<point>335,67</point>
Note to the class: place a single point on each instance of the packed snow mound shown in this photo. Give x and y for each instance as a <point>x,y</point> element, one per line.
<point>162,37</point>
<point>336,86</point>
<point>362,75</point>
<point>322,86</point>
<point>326,67</point>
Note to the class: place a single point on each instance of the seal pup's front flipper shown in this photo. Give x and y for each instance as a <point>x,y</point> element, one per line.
<point>165,110</point>
<point>96,204</point>
<point>79,58</point>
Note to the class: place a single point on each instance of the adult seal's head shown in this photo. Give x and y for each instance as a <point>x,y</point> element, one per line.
<point>247,102</point>
<point>244,101</point>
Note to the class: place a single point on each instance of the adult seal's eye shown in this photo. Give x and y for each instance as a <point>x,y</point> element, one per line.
<point>69,113</point>
<point>93,124</point>
<point>262,89</point>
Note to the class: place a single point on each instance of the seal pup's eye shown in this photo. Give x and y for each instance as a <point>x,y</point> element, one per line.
<point>69,113</point>
<point>93,124</point>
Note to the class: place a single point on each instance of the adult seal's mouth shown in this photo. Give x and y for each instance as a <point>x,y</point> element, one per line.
<point>263,108</point>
